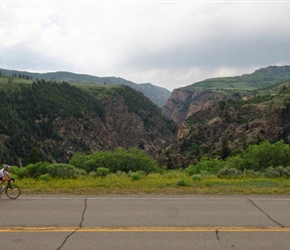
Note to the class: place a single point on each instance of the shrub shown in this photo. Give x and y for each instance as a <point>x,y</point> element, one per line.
<point>196,177</point>
<point>272,172</point>
<point>21,172</point>
<point>121,173</point>
<point>287,172</point>
<point>92,173</point>
<point>119,160</point>
<point>142,173</point>
<point>135,176</point>
<point>102,171</point>
<point>262,156</point>
<point>277,172</point>
<point>45,177</point>
<point>228,173</point>
<point>181,182</point>
<point>252,173</point>
<point>64,170</point>
<point>208,165</point>
<point>37,169</point>
<point>13,170</point>
<point>235,162</point>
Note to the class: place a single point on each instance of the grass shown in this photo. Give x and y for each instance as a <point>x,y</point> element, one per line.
<point>155,184</point>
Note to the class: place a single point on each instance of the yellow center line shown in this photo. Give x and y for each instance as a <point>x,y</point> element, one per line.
<point>140,229</point>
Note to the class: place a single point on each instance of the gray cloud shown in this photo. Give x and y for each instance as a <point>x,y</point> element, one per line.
<point>23,59</point>
<point>170,44</point>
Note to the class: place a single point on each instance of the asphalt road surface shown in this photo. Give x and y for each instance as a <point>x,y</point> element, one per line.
<point>145,222</point>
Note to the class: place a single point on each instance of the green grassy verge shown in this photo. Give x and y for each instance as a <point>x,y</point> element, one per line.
<point>155,184</point>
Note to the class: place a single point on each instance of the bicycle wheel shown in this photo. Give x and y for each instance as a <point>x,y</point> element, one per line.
<point>12,191</point>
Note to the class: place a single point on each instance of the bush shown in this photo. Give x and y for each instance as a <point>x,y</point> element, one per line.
<point>37,169</point>
<point>92,173</point>
<point>272,172</point>
<point>135,176</point>
<point>121,173</point>
<point>265,155</point>
<point>45,177</point>
<point>142,173</point>
<point>64,170</point>
<point>196,177</point>
<point>228,173</point>
<point>287,172</point>
<point>102,171</point>
<point>208,165</point>
<point>181,182</point>
<point>20,172</point>
<point>235,162</point>
<point>252,173</point>
<point>277,172</point>
<point>119,160</point>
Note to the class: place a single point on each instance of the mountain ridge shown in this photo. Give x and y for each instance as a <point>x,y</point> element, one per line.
<point>260,78</point>
<point>185,101</point>
<point>220,120</point>
<point>156,94</point>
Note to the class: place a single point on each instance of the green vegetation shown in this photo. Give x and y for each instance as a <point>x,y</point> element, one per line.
<point>261,78</point>
<point>238,123</point>
<point>157,94</point>
<point>261,169</point>
<point>119,160</point>
<point>33,113</point>
<point>27,113</point>
<point>255,159</point>
<point>166,183</point>
<point>28,110</point>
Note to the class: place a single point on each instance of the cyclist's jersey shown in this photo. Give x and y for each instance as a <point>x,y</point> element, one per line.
<point>3,172</point>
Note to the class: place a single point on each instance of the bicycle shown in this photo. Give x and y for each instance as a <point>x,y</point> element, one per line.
<point>11,190</point>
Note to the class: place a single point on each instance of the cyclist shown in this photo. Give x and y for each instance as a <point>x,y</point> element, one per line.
<point>4,175</point>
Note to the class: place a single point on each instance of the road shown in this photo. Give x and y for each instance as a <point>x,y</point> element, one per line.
<point>145,222</point>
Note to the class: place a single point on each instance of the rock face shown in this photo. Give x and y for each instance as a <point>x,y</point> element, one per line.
<point>62,120</point>
<point>232,124</point>
<point>184,103</point>
<point>247,110</point>
<point>119,128</point>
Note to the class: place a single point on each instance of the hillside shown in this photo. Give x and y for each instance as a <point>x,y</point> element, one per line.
<point>157,95</point>
<point>185,102</point>
<point>227,128</point>
<point>60,119</point>
<point>261,78</point>
<point>214,120</point>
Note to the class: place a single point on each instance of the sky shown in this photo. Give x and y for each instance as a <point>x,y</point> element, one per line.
<point>170,44</point>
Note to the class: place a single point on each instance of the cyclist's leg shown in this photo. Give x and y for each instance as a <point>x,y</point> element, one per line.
<point>3,179</point>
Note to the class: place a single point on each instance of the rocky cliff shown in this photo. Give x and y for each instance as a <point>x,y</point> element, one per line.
<point>186,101</point>
<point>220,117</point>
<point>120,127</point>
<point>183,103</point>
<point>228,128</point>
<point>60,120</point>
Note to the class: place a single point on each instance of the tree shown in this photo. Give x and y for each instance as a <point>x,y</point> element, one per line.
<point>225,151</point>
<point>264,155</point>
<point>34,156</point>
<point>10,80</point>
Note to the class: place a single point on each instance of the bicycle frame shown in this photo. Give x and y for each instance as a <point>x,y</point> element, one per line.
<point>12,191</point>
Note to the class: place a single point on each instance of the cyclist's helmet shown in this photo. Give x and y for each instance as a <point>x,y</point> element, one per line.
<point>6,166</point>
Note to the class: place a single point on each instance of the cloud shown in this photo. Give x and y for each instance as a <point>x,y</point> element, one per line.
<point>170,44</point>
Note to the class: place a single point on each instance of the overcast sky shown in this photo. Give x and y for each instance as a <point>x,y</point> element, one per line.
<point>167,43</point>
